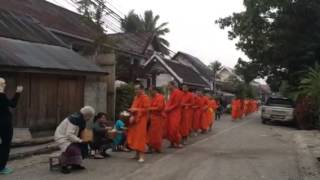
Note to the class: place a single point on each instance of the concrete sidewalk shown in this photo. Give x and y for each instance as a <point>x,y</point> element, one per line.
<point>27,151</point>
<point>308,150</point>
<point>24,145</point>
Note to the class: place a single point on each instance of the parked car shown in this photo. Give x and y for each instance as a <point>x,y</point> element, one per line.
<point>277,109</point>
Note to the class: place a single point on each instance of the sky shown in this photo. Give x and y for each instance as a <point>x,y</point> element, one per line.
<point>191,23</point>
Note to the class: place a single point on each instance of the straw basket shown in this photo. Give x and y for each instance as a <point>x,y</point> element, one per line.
<point>112,134</point>
<point>87,135</point>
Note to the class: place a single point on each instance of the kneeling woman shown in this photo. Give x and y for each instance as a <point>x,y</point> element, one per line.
<point>67,136</point>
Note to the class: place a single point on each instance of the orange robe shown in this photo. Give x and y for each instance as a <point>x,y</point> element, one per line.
<point>256,106</point>
<point>241,109</point>
<point>196,113</point>
<point>165,126</point>
<point>246,107</point>
<point>250,106</point>
<point>192,114</point>
<point>213,106</point>
<point>155,131</point>
<point>205,107</point>
<point>235,112</point>
<point>173,109</point>
<point>187,113</point>
<point>137,132</point>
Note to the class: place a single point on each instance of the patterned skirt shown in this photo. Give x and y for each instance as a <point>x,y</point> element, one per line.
<point>72,156</point>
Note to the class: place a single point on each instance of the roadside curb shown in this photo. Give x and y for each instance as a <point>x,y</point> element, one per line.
<point>32,142</point>
<point>44,149</point>
<point>307,163</point>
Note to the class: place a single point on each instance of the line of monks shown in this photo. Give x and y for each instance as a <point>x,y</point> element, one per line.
<point>155,119</point>
<point>243,107</point>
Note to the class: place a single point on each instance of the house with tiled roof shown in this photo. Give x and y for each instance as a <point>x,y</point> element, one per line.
<point>159,71</point>
<point>202,70</point>
<point>57,81</point>
<point>79,34</point>
<point>128,50</point>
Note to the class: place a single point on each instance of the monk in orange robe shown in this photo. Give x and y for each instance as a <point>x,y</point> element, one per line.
<point>165,125</point>
<point>241,109</point>
<point>190,126</point>
<point>137,131</point>
<point>213,106</point>
<point>251,106</point>
<point>197,113</point>
<point>187,113</point>
<point>155,131</point>
<point>235,111</point>
<point>173,111</point>
<point>256,106</point>
<point>246,107</point>
<point>204,119</point>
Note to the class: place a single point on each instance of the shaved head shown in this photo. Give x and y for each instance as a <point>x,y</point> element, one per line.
<point>139,89</point>
<point>172,85</point>
<point>185,88</point>
<point>2,82</point>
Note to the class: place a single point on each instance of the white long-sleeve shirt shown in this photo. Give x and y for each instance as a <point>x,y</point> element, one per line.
<point>66,134</point>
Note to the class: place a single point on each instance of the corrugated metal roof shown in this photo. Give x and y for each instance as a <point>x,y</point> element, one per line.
<point>184,74</point>
<point>198,64</point>
<point>25,28</point>
<point>53,16</point>
<point>23,54</point>
<point>136,43</point>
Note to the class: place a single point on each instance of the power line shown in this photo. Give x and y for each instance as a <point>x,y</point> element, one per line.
<point>117,6</point>
<point>115,25</point>
<point>107,11</point>
<point>71,4</point>
<point>123,14</point>
<point>111,21</point>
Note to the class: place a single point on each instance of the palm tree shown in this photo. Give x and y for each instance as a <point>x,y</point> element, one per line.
<point>148,23</point>
<point>151,25</point>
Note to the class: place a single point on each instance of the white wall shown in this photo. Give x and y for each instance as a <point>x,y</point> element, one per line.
<point>95,93</point>
<point>163,79</point>
<point>224,75</point>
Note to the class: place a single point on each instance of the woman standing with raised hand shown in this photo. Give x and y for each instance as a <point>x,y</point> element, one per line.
<point>6,128</point>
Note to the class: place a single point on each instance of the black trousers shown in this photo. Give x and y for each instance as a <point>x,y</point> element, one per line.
<point>6,133</point>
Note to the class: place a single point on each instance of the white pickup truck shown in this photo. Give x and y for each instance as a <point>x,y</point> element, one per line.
<point>277,109</point>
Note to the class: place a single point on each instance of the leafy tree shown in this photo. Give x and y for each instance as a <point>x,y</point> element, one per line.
<point>93,12</point>
<point>246,70</point>
<point>148,23</point>
<point>280,37</point>
<point>215,67</point>
<point>132,23</point>
<point>125,95</point>
<point>84,8</point>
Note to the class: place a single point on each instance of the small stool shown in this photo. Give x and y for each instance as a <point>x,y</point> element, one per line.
<point>54,161</point>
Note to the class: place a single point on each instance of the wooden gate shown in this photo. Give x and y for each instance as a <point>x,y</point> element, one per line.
<point>46,100</point>
<point>70,96</point>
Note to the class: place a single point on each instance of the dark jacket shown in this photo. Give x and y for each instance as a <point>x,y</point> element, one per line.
<point>5,105</point>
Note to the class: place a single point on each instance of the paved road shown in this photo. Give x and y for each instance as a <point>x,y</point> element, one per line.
<point>244,150</point>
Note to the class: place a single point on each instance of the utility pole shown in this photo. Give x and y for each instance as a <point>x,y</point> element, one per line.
<point>214,83</point>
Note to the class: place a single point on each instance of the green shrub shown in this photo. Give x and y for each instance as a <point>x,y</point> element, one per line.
<point>124,98</point>
<point>310,89</point>
<point>228,109</point>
